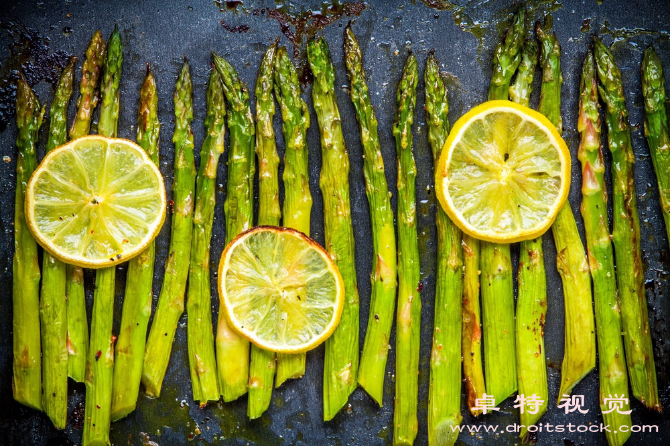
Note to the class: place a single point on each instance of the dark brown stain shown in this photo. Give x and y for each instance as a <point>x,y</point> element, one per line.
<point>299,28</point>
<point>234,29</point>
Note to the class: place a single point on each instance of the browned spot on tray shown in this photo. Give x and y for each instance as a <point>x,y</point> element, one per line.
<point>234,29</point>
<point>299,28</point>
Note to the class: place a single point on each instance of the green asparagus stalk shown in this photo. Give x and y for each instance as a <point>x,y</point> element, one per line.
<point>297,196</point>
<point>77,321</point>
<point>531,309</point>
<point>109,86</point>
<point>53,302</point>
<point>99,370</point>
<point>58,111</point>
<point>90,75</point>
<point>580,351</point>
<point>341,359</point>
<point>444,392</point>
<point>171,298</point>
<point>471,350</point>
<point>522,87</point>
<point>232,350</point>
<point>626,234</point>
<point>201,356</point>
<point>372,369</point>
<point>656,127</point>
<point>498,320</point>
<point>139,278</point>
<point>408,323</point>
<point>507,57</point>
<point>263,365</point>
<point>495,260</point>
<point>27,383</point>
<point>613,379</point>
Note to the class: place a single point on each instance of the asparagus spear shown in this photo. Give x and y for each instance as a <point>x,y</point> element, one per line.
<point>100,365</point>
<point>198,306</point>
<point>522,87</point>
<point>341,360</point>
<point>613,379</point>
<point>531,309</point>
<point>77,322</point>
<point>580,354</point>
<point>471,350</point>
<point>495,260</point>
<point>626,234</point>
<point>139,278</point>
<point>27,382</point>
<point>53,306</point>
<point>171,298</point>
<point>382,301</point>
<point>444,392</point>
<point>408,324</point>
<point>90,75</point>
<point>297,196</point>
<point>263,365</point>
<point>232,350</point>
<point>507,57</point>
<point>656,127</point>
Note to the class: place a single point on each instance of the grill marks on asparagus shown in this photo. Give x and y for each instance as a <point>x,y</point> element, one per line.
<point>384,285</point>
<point>171,298</point>
<point>53,301</point>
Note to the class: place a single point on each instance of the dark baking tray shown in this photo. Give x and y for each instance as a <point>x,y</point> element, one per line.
<point>162,32</point>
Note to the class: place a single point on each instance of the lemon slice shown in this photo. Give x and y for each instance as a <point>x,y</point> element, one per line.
<point>504,173</point>
<point>95,201</point>
<point>280,289</point>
